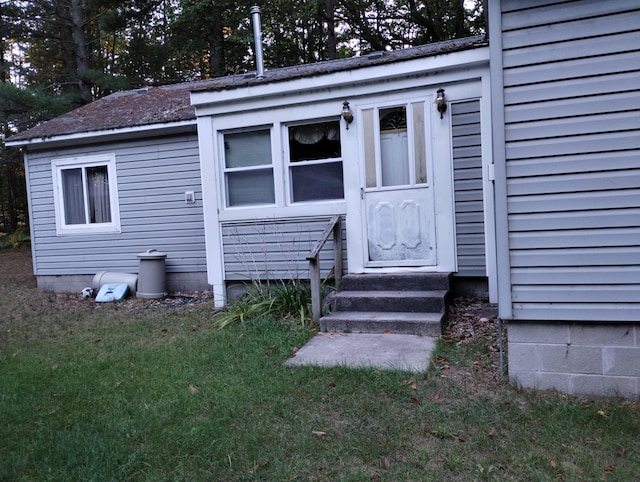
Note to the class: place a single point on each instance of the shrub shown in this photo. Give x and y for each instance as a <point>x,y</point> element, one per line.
<point>17,239</point>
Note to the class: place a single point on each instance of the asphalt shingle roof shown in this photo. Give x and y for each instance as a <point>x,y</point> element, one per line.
<point>171,103</point>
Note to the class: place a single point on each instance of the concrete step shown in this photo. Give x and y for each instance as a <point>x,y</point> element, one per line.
<point>396,281</point>
<point>389,322</point>
<point>390,301</point>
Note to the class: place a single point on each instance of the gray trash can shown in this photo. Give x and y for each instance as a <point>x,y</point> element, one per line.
<point>151,275</point>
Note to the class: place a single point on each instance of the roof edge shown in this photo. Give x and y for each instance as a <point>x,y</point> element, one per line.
<point>100,135</point>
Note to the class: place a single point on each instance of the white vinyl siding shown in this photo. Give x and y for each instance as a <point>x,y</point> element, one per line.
<point>572,130</point>
<point>469,205</point>
<point>153,175</point>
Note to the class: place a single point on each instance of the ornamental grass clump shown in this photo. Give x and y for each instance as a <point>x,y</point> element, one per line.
<point>284,300</point>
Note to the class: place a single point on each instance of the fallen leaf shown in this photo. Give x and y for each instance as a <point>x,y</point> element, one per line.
<point>492,432</point>
<point>387,332</point>
<point>193,389</point>
<point>437,396</point>
<point>553,462</point>
<point>258,466</point>
<point>318,433</point>
<point>601,413</point>
<point>97,340</point>
<point>54,366</point>
<point>385,462</point>
<point>460,438</point>
<point>415,401</point>
<point>610,469</point>
<point>331,385</point>
<point>300,392</point>
<point>374,477</point>
<point>621,452</point>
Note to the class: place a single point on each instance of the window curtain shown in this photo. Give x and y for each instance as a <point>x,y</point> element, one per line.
<point>98,195</point>
<point>73,196</point>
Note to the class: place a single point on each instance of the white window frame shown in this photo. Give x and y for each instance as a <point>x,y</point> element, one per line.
<point>83,162</point>
<point>257,167</point>
<point>288,164</point>
<point>409,105</point>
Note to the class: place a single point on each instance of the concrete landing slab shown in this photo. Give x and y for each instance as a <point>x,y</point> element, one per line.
<point>382,351</point>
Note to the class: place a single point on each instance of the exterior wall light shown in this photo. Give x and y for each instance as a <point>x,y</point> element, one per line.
<point>347,115</point>
<point>441,102</point>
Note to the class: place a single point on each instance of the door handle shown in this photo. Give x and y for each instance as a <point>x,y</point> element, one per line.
<point>362,193</point>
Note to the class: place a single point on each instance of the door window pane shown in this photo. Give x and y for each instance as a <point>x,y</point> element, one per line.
<point>394,146</point>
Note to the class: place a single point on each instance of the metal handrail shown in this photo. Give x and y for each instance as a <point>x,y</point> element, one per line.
<point>335,228</point>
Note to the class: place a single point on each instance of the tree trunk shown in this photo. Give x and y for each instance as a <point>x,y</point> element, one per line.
<point>80,49</point>
<point>332,48</point>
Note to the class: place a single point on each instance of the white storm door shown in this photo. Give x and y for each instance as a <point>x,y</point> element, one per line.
<point>398,199</point>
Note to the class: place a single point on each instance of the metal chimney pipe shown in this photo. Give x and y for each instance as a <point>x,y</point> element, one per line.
<point>257,36</point>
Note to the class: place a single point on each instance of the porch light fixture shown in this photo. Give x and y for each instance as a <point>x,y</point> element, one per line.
<point>347,115</point>
<point>441,102</point>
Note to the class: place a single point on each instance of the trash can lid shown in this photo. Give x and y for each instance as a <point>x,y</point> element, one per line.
<point>152,254</point>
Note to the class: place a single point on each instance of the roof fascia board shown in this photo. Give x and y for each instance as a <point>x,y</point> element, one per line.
<point>107,134</point>
<point>349,92</point>
<point>307,88</point>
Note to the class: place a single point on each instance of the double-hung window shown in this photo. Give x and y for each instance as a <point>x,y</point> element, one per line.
<point>86,195</point>
<point>248,168</point>
<point>315,162</point>
<point>261,164</point>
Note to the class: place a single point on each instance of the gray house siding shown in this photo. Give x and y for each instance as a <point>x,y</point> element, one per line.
<point>153,175</point>
<point>275,248</point>
<point>571,193</point>
<point>469,204</point>
<point>572,144</point>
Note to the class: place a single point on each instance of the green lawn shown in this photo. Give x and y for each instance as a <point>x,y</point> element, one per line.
<point>133,392</point>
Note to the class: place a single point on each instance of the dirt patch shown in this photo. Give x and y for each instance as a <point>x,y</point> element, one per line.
<point>473,358</point>
<point>18,288</point>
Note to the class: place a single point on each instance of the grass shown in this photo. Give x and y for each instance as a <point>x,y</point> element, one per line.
<point>128,391</point>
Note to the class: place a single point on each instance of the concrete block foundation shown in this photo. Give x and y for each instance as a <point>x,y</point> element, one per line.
<point>593,359</point>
